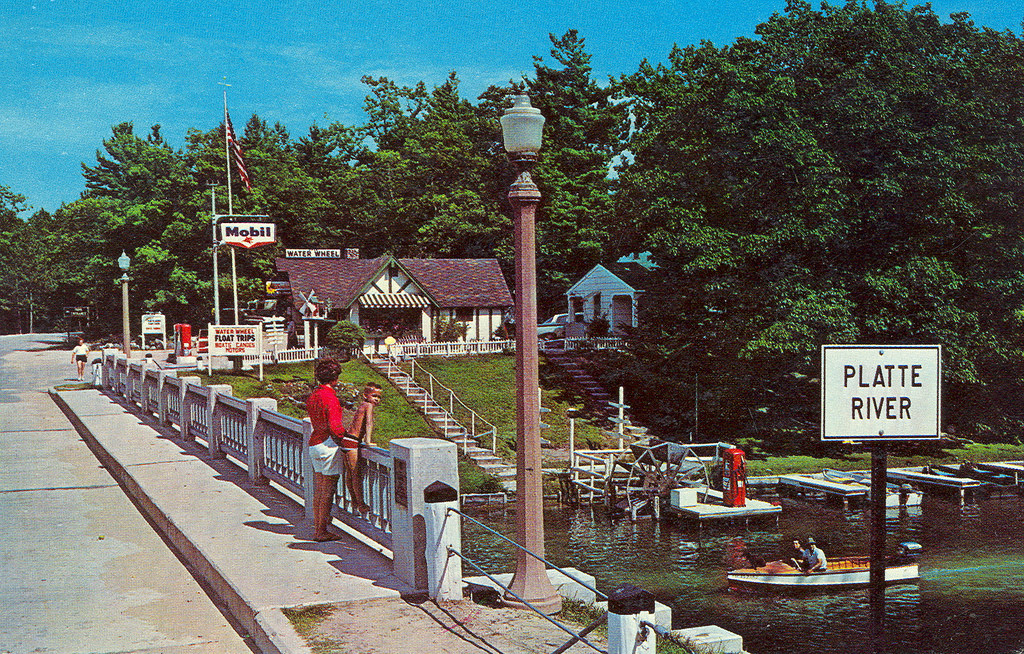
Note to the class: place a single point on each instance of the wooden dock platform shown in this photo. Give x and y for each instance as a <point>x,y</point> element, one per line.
<point>714,509</point>
<point>921,478</point>
<point>818,485</point>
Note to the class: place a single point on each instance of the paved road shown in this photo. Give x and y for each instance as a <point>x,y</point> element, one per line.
<point>80,570</point>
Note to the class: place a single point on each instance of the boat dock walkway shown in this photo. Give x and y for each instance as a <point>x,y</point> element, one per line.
<point>920,477</point>
<point>714,509</point>
<point>816,484</point>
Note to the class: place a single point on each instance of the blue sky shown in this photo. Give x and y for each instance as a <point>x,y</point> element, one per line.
<point>72,69</point>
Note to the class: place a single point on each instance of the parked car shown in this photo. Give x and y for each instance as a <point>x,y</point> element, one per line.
<point>553,327</point>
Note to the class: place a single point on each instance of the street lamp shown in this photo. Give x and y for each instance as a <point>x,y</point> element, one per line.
<point>123,262</point>
<point>521,128</point>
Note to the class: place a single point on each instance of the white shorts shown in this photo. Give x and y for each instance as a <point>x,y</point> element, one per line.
<point>328,459</point>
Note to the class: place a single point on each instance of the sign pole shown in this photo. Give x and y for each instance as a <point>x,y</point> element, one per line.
<point>259,348</point>
<point>209,348</point>
<point>876,580</point>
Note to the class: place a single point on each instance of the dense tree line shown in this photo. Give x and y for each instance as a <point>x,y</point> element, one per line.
<point>851,174</point>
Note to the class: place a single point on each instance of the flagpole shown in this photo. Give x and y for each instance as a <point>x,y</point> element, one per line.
<point>227,166</point>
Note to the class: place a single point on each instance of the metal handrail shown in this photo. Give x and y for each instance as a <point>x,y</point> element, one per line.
<point>452,399</point>
<point>580,637</point>
<point>539,558</point>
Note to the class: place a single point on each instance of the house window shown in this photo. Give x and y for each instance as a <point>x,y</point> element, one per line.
<point>597,306</point>
<point>464,314</point>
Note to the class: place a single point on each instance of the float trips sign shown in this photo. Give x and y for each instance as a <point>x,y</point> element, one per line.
<point>881,392</point>
<point>248,235</point>
<point>234,340</point>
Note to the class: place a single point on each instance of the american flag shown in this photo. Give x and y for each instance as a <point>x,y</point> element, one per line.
<point>236,153</point>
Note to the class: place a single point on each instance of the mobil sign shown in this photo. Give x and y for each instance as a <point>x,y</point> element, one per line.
<point>248,235</point>
<point>881,392</point>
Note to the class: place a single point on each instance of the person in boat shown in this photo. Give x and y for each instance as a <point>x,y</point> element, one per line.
<point>816,561</point>
<point>799,560</point>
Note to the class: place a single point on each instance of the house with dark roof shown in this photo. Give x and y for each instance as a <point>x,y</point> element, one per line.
<point>612,291</point>
<point>404,298</point>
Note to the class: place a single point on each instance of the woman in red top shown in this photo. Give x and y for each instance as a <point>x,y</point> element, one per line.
<point>325,413</point>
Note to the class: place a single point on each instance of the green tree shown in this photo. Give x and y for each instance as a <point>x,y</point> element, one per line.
<point>853,174</point>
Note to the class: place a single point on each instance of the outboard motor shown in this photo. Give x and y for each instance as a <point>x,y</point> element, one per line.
<point>908,551</point>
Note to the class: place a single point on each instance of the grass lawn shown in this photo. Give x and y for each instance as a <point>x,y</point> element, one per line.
<point>857,460</point>
<point>486,384</point>
<point>396,418</point>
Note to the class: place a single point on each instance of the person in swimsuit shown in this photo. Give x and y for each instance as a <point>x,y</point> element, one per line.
<point>361,432</point>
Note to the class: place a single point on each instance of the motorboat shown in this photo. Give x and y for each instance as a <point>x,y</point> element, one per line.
<point>842,573</point>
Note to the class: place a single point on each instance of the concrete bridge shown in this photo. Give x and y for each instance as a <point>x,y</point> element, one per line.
<point>118,536</point>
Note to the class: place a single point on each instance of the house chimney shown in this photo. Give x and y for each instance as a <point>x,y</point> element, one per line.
<point>351,253</point>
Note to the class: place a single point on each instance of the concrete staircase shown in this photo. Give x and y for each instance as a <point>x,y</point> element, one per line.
<point>596,398</point>
<point>445,422</point>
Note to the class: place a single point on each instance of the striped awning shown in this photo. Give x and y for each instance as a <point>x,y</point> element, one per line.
<point>392,300</point>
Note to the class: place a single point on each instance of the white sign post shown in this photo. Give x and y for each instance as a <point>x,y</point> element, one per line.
<point>881,392</point>
<point>875,394</point>
<point>235,340</point>
<point>154,323</point>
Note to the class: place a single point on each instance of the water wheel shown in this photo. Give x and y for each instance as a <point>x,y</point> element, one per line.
<point>656,468</point>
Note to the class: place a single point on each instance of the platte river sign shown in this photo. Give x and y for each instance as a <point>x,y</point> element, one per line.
<point>881,392</point>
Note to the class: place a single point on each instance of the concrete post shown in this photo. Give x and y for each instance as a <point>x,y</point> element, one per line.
<point>161,393</point>
<point>186,409</point>
<point>628,606</point>
<point>443,530</point>
<point>213,444</point>
<point>308,480</point>
<point>108,369</point>
<point>254,435</point>
<point>416,464</point>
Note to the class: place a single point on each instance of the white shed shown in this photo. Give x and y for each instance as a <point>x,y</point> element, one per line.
<point>611,291</point>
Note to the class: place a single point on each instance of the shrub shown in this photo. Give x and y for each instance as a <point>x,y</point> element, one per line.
<point>449,330</point>
<point>344,337</point>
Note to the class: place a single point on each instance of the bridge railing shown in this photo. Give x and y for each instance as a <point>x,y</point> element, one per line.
<point>271,446</point>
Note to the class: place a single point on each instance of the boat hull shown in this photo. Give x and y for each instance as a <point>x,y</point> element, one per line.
<point>753,579</point>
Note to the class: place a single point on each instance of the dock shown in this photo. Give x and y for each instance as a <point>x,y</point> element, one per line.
<point>1013,469</point>
<point>714,509</point>
<point>921,477</point>
<point>816,484</point>
<point>846,487</point>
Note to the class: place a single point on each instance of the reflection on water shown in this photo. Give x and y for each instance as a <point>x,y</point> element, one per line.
<point>970,598</point>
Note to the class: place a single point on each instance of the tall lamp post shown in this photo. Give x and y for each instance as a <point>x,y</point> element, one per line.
<point>123,262</point>
<point>521,128</point>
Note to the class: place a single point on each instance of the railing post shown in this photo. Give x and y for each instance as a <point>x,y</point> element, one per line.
<point>185,424</point>
<point>416,464</point>
<point>214,433</point>
<point>161,394</point>
<point>628,606</point>
<point>444,571</point>
<point>254,435</point>
<point>308,476</point>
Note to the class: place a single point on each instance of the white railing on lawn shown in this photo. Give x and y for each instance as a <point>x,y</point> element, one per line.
<point>287,356</point>
<point>449,348</point>
<point>595,343</point>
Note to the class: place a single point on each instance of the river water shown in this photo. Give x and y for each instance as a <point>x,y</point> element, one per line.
<point>970,598</point>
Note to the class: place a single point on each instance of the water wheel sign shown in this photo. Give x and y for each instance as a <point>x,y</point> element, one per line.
<point>881,392</point>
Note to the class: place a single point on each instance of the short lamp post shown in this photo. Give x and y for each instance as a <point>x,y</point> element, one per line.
<point>124,262</point>
<point>521,128</point>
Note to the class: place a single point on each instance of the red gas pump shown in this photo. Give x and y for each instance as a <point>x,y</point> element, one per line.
<point>734,477</point>
<point>182,340</point>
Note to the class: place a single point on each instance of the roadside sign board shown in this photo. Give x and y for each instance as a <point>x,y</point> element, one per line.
<point>234,340</point>
<point>881,392</point>
<point>248,235</point>
<point>153,323</point>
<point>312,254</point>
